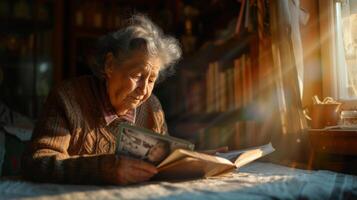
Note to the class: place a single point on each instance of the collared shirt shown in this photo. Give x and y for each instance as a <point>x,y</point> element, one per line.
<point>109,113</point>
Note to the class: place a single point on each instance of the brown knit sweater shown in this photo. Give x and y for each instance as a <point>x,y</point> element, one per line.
<point>72,142</point>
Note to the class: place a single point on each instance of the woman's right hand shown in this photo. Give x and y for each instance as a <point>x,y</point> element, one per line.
<point>129,170</point>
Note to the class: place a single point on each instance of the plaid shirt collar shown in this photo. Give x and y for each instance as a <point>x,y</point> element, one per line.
<point>109,112</point>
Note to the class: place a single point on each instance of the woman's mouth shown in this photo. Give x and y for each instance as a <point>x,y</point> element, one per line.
<point>136,98</point>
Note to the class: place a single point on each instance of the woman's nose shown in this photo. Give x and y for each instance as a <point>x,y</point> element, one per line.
<point>142,86</point>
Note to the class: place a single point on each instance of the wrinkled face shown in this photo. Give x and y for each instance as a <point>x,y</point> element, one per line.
<point>131,82</point>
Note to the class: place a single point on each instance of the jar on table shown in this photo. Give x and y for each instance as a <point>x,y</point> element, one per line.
<point>349,118</point>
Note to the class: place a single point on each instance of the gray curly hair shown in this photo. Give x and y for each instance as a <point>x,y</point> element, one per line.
<point>139,32</point>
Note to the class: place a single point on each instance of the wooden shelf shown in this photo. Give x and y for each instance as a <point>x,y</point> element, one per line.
<point>196,66</point>
<point>13,25</point>
<point>95,33</point>
<point>220,51</point>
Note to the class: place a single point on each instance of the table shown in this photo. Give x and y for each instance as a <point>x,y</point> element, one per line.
<point>334,149</point>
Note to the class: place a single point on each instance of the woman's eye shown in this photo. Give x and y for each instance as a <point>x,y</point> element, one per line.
<point>136,77</point>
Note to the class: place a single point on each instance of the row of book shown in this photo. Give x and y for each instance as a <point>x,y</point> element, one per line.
<point>94,14</point>
<point>26,10</point>
<point>229,89</point>
<point>222,89</point>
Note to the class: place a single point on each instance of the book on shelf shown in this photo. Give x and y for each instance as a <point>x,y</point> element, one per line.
<point>222,92</point>
<point>216,84</point>
<point>230,88</point>
<point>209,86</point>
<point>237,84</point>
<point>176,159</point>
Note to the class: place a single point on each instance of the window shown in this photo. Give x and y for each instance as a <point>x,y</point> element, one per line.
<point>345,17</point>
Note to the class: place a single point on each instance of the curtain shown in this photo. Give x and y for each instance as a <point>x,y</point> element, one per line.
<point>288,63</point>
<point>282,61</point>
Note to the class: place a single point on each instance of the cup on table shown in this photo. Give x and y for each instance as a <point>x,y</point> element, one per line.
<point>323,115</point>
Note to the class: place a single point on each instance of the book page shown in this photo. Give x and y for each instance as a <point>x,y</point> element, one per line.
<point>181,153</point>
<point>174,156</point>
<point>233,155</point>
<point>253,154</point>
<point>189,167</point>
<point>179,170</point>
<point>230,155</point>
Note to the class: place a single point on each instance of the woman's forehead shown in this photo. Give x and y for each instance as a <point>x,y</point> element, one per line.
<point>143,63</point>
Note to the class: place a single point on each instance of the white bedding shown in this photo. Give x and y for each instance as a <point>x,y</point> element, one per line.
<point>255,181</point>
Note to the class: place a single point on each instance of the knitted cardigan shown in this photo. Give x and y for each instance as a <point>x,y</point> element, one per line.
<point>72,143</point>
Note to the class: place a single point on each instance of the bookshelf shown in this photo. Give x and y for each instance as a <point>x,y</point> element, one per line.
<point>88,20</point>
<point>212,99</point>
<point>210,58</point>
<point>27,62</point>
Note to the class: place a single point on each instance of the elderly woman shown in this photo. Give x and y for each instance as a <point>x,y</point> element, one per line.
<point>74,140</point>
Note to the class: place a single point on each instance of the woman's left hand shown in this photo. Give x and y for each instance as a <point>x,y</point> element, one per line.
<point>129,170</point>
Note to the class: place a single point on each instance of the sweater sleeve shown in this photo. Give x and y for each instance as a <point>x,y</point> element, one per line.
<point>46,158</point>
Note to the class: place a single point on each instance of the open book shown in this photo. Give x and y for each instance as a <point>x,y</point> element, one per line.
<point>175,158</point>
<point>182,164</point>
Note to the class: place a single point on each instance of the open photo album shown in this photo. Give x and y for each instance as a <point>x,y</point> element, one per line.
<point>176,159</point>
<point>147,145</point>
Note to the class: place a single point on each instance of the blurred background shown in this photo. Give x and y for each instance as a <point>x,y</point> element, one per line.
<point>247,76</point>
<point>44,42</point>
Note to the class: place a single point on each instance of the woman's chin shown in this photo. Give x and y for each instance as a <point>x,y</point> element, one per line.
<point>129,105</point>
<point>133,105</point>
<point>136,103</point>
<point>124,109</point>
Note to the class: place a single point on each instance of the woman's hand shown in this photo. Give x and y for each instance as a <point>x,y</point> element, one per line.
<point>128,170</point>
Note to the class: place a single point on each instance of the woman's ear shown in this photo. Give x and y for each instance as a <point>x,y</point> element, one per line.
<point>109,64</point>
